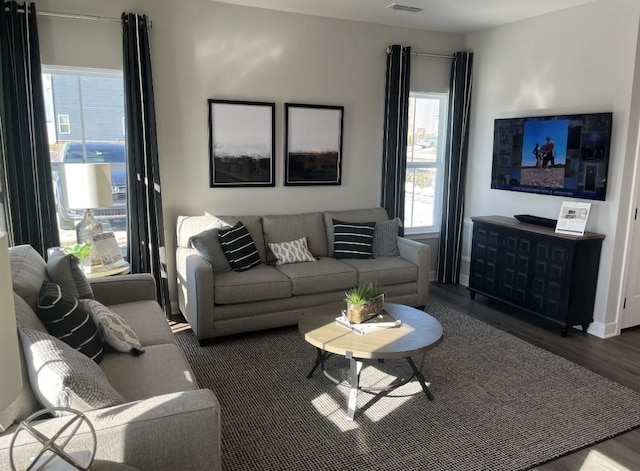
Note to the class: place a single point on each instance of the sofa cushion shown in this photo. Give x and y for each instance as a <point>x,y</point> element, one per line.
<point>384,271</point>
<point>208,247</point>
<point>353,239</point>
<point>113,329</point>
<point>63,377</point>
<point>64,270</point>
<point>260,283</point>
<point>295,226</point>
<point>28,271</point>
<point>63,318</point>
<point>295,251</point>
<point>354,215</point>
<point>162,369</point>
<point>25,316</point>
<point>147,320</point>
<point>385,238</point>
<point>322,276</point>
<point>238,247</point>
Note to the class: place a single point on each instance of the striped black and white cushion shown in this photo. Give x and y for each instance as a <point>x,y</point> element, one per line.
<point>352,239</point>
<point>66,320</point>
<point>239,248</point>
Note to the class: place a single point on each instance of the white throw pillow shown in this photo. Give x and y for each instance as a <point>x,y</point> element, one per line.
<point>63,377</point>
<point>294,251</point>
<point>114,329</point>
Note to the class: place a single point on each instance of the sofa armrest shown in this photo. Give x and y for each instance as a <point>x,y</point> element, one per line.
<point>420,254</point>
<point>196,289</point>
<point>151,434</point>
<point>119,289</point>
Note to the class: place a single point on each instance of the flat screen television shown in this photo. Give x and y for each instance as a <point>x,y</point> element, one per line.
<point>563,155</point>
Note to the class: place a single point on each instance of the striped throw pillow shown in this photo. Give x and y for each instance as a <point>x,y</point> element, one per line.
<point>239,248</point>
<point>294,251</point>
<point>63,318</point>
<point>352,239</point>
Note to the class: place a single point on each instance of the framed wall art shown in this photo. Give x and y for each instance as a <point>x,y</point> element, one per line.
<point>241,143</point>
<point>313,144</point>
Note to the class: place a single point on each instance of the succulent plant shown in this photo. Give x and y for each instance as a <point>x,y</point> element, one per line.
<point>362,294</point>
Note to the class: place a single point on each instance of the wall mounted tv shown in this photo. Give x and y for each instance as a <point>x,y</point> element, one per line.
<point>564,155</point>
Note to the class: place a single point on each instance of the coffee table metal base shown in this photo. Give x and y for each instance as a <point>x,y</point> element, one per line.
<point>355,367</point>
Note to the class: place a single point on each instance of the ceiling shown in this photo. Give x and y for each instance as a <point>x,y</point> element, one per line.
<point>455,16</point>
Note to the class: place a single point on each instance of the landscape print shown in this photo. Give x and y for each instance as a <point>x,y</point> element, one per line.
<point>313,144</point>
<point>241,143</point>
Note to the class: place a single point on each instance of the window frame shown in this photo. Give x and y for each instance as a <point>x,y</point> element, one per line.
<point>438,165</point>
<point>67,124</point>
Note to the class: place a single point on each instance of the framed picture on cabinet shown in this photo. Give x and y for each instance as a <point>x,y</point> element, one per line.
<point>241,143</point>
<point>313,144</point>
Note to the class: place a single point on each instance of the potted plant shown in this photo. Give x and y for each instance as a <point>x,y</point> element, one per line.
<point>363,302</point>
<point>80,251</point>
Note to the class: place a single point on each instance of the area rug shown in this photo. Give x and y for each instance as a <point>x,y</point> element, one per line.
<point>500,404</point>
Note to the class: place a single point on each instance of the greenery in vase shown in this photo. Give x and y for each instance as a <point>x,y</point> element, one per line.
<point>79,250</point>
<point>361,295</point>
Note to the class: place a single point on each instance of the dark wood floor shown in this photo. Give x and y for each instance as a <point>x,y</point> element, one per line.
<point>616,358</point>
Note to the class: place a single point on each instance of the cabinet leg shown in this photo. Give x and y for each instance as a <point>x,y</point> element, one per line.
<point>584,328</point>
<point>563,331</point>
<point>473,295</point>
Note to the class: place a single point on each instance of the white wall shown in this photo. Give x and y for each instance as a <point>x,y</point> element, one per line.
<point>203,49</point>
<point>572,61</point>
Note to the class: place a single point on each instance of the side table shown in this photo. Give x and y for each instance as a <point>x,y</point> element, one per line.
<point>101,271</point>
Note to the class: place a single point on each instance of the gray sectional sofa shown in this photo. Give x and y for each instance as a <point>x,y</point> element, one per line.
<point>166,421</point>
<point>218,303</point>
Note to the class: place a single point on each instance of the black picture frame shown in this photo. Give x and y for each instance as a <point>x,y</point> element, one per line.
<point>313,144</point>
<point>241,143</point>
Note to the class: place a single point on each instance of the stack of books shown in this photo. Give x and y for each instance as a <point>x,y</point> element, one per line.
<point>379,322</point>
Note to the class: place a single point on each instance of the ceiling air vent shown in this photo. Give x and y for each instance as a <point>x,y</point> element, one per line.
<point>397,6</point>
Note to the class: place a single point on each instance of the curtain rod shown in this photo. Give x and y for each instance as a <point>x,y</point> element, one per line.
<point>77,17</point>
<point>74,16</point>
<point>429,54</point>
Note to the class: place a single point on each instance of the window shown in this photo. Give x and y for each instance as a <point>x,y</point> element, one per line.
<point>94,100</point>
<point>64,125</point>
<point>425,156</point>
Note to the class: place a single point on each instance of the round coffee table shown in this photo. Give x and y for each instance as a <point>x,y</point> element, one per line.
<point>418,333</point>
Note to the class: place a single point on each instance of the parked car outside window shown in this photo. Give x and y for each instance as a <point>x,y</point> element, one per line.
<point>113,153</point>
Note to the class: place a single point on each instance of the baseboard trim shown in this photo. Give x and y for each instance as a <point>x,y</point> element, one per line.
<point>602,330</point>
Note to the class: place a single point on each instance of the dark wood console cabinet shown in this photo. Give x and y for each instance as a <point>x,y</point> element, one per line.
<point>552,276</point>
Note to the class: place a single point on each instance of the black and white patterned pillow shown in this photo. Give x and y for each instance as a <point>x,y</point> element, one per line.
<point>66,320</point>
<point>352,239</point>
<point>385,238</point>
<point>63,377</point>
<point>294,251</point>
<point>64,270</point>
<point>114,329</point>
<point>239,248</point>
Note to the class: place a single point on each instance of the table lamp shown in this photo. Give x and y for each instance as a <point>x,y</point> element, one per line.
<point>88,186</point>
<point>11,383</point>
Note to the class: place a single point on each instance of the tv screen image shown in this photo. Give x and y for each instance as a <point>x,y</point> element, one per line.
<point>563,155</point>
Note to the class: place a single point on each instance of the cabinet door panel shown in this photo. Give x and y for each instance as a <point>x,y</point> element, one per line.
<point>484,259</point>
<point>516,265</point>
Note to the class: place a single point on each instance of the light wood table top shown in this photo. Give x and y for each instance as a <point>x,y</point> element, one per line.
<point>418,333</point>
<point>100,271</point>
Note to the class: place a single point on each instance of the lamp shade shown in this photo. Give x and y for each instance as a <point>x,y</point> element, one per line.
<point>11,382</point>
<point>88,185</point>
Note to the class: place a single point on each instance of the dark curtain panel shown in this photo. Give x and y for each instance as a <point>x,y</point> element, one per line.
<point>146,227</point>
<point>455,168</point>
<point>396,114</point>
<point>26,166</point>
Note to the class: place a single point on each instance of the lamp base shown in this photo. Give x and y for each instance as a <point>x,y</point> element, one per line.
<point>86,229</point>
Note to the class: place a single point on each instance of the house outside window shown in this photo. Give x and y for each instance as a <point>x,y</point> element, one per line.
<point>64,125</point>
<point>425,158</point>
